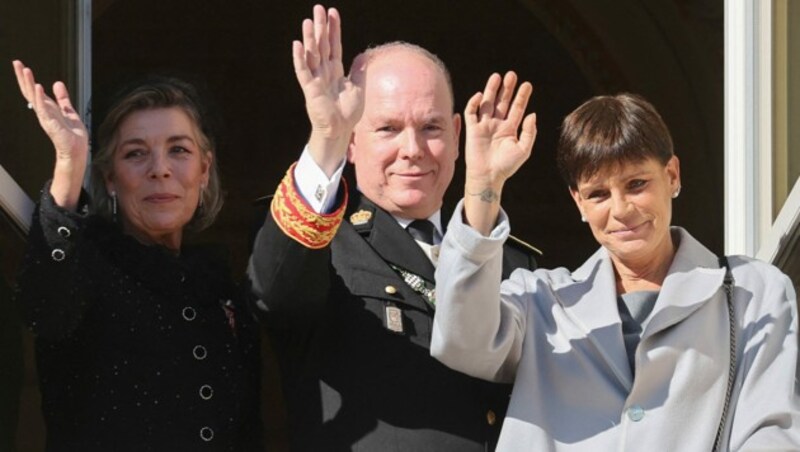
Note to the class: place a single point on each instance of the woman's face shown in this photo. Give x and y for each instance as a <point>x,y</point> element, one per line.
<point>629,207</point>
<point>158,172</point>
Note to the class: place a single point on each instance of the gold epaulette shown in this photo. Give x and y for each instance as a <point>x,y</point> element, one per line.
<point>299,221</point>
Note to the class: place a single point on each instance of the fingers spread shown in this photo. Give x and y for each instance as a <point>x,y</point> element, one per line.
<point>300,64</point>
<point>24,88</point>
<point>335,42</point>
<point>40,102</point>
<point>310,45</point>
<point>321,32</point>
<point>471,110</point>
<point>520,103</point>
<point>29,84</point>
<point>62,97</point>
<point>44,105</point>
<point>507,92</point>
<point>528,135</point>
<point>489,95</point>
<point>335,34</point>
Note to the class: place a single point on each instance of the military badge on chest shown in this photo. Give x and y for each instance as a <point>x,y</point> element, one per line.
<point>425,289</point>
<point>361,218</point>
<point>394,318</point>
<point>418,284</point>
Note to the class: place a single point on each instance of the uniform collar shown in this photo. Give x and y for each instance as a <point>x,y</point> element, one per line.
<point>383,232</point>
<point>436,219</point>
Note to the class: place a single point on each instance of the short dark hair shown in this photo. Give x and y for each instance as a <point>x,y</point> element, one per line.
<point>152,93</point>
<point>608,130</point>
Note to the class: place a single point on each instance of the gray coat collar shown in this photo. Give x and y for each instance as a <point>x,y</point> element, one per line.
<point>589,297</point>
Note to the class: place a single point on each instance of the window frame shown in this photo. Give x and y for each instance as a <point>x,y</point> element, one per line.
<point>749,146</point>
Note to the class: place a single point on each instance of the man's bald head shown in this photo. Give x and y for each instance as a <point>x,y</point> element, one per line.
<point>405,145</point>
<point>372,54</point>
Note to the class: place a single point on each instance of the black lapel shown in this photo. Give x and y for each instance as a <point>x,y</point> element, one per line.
<point>388,238</point>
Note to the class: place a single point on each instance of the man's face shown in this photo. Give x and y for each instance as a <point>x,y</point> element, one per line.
<point>405,146</point>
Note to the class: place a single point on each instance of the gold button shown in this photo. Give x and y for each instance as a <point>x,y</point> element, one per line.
<point>491,418</point>
<point>391,290</point>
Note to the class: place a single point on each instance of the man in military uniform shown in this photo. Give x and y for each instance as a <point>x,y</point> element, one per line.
<point>349,304</point>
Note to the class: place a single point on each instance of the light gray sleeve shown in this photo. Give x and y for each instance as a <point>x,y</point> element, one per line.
<point>767,411</point>
<point>474,331</point>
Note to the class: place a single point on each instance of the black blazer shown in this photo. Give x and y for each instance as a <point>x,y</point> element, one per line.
<point>350,381</point>
<point>134,346</point>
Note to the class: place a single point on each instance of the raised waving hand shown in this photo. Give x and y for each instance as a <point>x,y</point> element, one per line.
<point>495,146</point>
<point>63,125</point>
<point>333,102</point>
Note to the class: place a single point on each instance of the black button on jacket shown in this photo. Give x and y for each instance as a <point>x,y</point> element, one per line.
<point>137,349</point>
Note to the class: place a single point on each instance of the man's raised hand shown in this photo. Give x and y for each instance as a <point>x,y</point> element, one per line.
<point>333,102</point>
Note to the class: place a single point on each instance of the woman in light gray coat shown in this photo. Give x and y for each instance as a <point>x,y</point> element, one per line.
<point>640,348</point>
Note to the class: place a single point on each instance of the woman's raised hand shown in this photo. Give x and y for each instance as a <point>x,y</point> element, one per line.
<point>63,125</point>
<point>495,146</point>
<point>333,102</point>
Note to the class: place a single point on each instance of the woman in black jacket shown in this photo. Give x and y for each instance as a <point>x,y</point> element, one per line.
<point>142,344</point>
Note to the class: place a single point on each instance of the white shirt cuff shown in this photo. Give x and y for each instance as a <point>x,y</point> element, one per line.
<point>314,185</point>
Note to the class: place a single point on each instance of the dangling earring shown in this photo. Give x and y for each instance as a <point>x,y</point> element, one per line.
<point>114,204</point>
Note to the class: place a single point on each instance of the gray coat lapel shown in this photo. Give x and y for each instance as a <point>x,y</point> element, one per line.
<point>693,278</point>
<point>590,301</point>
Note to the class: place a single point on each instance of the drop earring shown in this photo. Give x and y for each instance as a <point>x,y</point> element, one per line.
<point>114,205</point>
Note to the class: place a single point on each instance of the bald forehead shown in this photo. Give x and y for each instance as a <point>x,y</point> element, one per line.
<point>408,62</point>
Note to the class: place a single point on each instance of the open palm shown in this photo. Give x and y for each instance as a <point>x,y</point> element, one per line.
<point>57,117</point>
<point>62,124</point>
<point>494,149</point>
<point>333,102</point>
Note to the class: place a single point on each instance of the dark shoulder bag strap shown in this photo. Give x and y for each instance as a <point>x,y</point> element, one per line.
<point>728,286</point>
